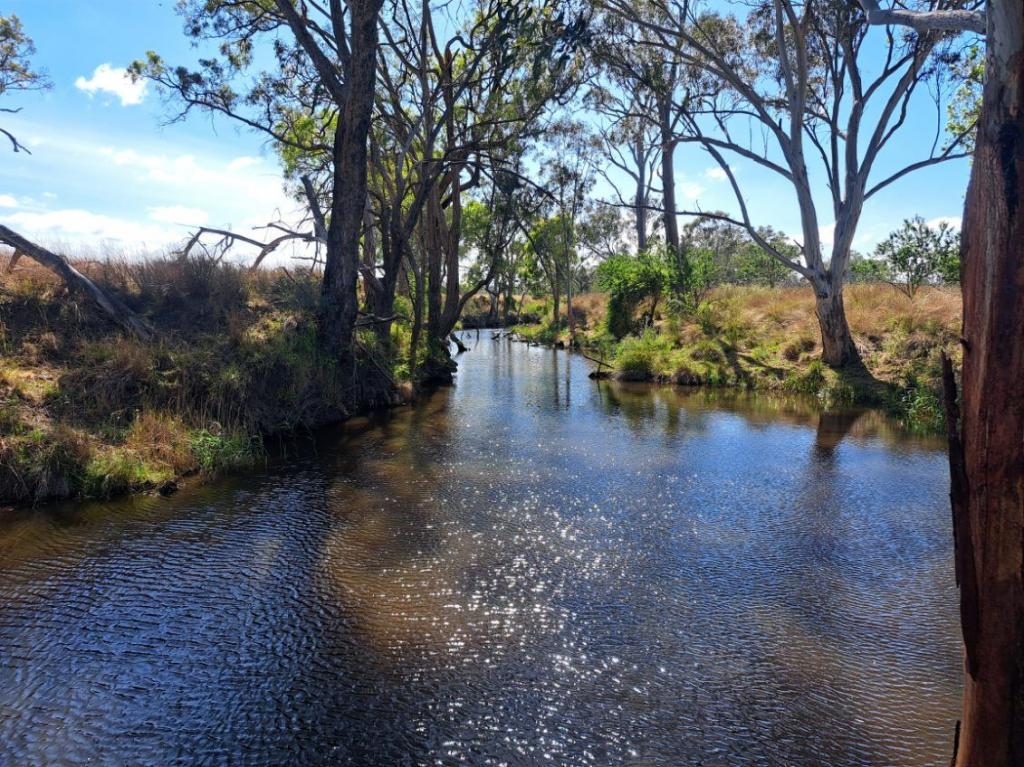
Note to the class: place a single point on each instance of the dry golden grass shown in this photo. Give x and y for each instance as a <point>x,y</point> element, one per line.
<point>163,440</point>
<point>86,411</point>
<point>589,309</point>
<point>872,310</point>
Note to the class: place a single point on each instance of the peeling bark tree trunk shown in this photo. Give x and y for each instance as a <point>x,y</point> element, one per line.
<point>838,349</point>
<point>988,502</point>
<point>75,280</point>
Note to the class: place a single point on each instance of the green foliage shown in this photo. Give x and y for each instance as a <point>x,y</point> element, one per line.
<point>811,380</point>
<point>708,318</point>
<point>864,270</point>
<point>965,106</point>
<point>217,452</point>
<point>628,280</point>
<point>645,356</point>
<point>922,406</point>
<point>917,252</point>
<point>544,333</point>
<point>753,265</point>
<point>16,48</point>
<point>116,472</point>
<point>696,273</point>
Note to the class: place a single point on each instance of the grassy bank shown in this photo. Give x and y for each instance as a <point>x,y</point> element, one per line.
<point>767,339</point>
<point>88,412</point>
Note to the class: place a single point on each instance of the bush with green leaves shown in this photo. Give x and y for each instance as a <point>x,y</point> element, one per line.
<point>867,270</point>
<point>630,280</point>
<point>917,253</point>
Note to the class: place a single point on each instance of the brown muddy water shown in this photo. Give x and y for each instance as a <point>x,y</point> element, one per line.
<point>530,568</point>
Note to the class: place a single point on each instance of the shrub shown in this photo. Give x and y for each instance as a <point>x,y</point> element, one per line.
<point>707,351</point>
<point>923,408</point>
<point>812,380</point>
<point>216,452</point>
<point>629,280</point>
<point>708,318</point>
<point>646,356</point>
<point>917,252</point>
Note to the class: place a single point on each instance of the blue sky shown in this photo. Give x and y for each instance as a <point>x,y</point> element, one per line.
<point>106,174</point>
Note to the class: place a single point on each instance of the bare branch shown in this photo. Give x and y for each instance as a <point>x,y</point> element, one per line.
<point>926,21</point>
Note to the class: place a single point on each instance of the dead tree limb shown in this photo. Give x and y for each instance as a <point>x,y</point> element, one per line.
<point>75,280</point>
<point>458,343</point>
<point>229,238</point>
<point>15,258</point>
<point>600,363</point>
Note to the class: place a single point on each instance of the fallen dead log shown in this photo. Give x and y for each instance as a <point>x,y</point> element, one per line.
<point>458,343</point>
<point>600,363</point>
<point>75,280</point>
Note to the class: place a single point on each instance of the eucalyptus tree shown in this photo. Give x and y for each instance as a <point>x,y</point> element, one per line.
<point>456,114</point>
<point>491,227</point>
<point>986,428</point>
<point>658,86</point>
<point>313,96</point>
<point>800,84</point>
<point>629,143</point>
<point>16,71</point>
<point>568,178</point>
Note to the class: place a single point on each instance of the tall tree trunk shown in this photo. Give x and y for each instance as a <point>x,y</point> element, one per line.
<point>338,301</point>
<point>556,298</point>
<point>415,271</point>
<point>569,317</point>
<point>668,176</point>
<point>492,311</point>
<point>838,349</point>
<point>641,194</point>
<point>434,256</point>
<point>988,480</point>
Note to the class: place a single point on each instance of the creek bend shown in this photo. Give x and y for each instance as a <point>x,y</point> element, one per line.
<point>527,568</point>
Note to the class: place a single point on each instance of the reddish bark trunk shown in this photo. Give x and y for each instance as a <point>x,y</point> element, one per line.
<point>988,499</point>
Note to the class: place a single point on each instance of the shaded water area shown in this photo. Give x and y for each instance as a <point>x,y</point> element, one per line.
<point>529,568</point>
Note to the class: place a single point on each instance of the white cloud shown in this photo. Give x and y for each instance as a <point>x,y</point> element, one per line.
<point>243,162</point>
<point>8,201</point>
<point>718,173</point>
<point>151,197</point>
<point>179,214</point>
<point>232,183</point>
<point>115,80</point>
<point>81,225</point>
<point>689,190</point>
<point>951,221</point>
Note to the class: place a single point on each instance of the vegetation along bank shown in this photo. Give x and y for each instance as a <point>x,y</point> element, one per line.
<point>89,411</point>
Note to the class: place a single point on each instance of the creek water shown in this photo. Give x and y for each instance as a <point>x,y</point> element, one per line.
<point>529,568</point>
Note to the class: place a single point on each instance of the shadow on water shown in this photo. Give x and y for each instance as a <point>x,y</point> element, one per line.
<point>527,568</point>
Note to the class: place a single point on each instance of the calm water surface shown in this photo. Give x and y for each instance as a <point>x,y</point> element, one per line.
<point>527,569</point>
